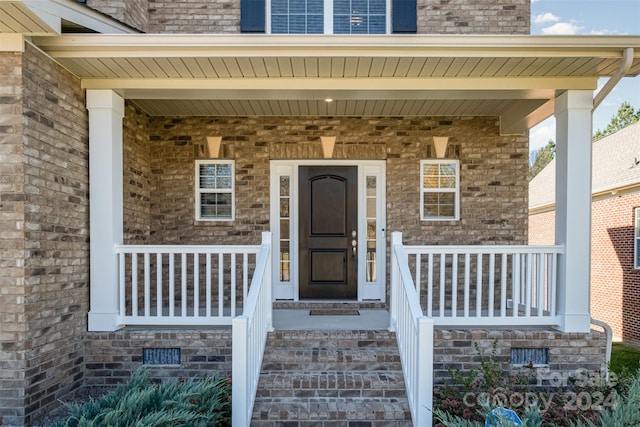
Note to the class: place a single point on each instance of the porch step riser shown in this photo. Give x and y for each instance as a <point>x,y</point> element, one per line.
<point>331,378</point>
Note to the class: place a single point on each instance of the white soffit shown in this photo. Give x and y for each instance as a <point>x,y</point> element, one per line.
<point>173,74</point>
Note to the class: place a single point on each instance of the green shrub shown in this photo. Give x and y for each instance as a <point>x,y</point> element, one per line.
<point>625,412</point>
<point>588,400</point>
<point>579,401</point>
<point>195,402</point>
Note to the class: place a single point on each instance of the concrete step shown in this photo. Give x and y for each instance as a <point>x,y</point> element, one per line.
<point>331,378</point>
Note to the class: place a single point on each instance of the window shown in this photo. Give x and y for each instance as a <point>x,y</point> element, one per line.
<point>215,199</point>
<point>329,16</point>
<point>636,240</point>
<point>439,190</point>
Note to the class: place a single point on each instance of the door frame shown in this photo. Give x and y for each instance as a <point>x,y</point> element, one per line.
<point>289,290</point>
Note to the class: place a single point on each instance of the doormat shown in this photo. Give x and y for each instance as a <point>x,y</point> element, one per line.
<point>334,312</point>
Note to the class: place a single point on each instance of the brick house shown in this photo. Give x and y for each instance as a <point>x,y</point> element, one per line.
<point>615,278</point>
<point>147,146</point>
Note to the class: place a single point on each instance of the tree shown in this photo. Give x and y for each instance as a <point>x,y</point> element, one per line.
<point>540,158</point>
<point>626,116</point>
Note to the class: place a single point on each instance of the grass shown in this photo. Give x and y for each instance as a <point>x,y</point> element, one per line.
<point>624,358</point>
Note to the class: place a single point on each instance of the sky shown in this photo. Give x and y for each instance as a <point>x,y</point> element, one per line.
<point>588,17</point>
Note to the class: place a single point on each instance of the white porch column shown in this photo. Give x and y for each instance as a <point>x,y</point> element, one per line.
<point>573,207</point>
<point>106,110</point>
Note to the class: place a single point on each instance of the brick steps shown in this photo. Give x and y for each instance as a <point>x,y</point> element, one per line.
<point>331,378</point>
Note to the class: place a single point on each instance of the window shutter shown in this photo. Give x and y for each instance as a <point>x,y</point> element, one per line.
<point>404,15</point>
<point>252,16</point>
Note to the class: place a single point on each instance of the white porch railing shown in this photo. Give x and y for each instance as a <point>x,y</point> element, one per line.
<point>487,285</point>
<point>414,332</point>
<point>183,285</point>
<point>250,337</point>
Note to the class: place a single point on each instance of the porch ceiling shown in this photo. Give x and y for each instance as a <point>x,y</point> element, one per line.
<point>514,77</point>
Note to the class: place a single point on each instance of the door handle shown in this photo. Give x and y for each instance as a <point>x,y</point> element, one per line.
<point>354,244</point>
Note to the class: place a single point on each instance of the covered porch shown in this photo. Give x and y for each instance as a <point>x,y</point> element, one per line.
<point>518,81</point>
<point>485,92</point>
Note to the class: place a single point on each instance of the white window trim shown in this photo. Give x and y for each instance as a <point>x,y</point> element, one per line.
<point>199,190</point>
<point>636,237</point>
<point>328,17</point>
<point>455,190</point>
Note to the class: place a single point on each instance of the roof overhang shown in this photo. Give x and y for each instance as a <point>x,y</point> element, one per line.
<point>513,77</point>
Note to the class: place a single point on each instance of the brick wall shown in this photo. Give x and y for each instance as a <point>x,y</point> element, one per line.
<point>56,231</point>
<point>12,243</point>
<point>493,174</point>
<point>134,13</point>
<point>434,16</point>
<point>111,357</point>
<point>615,284</point>
<point>136,185</point>
<point>194,16</point>
<point>456,349</point>
<point>542,228</point>
<point>474,17</point>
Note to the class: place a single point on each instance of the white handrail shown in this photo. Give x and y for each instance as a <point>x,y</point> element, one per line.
<point>249,337</point>
<point>182,284</point>
<point>487,285</point>
<point>414,333</point>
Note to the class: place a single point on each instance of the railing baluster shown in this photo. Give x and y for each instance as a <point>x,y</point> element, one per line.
<point>172,284</point>
<point>430,287</point>
<point>503,286</point>
<point>233,285</point>
<point>479,286</point>
<point>220,284</point>
<point>147,284</point>
<point>467,286</point>
<point>183,288</point>
<point>418,273</point>
<point>454,285</point>
<point>123,283</point>
<point>492,277</point>
<point>442,282</point>
<point>245,278</point>
<point>208,283</point>
<point>196,285</point>
<point>552,287</point>
<point>541,276</point>
<point>134,285</point>
<point>515,283</point>
<point>529,286</point>
<point>159,284</point>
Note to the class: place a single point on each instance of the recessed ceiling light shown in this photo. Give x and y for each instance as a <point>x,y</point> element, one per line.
<point>328,100</point>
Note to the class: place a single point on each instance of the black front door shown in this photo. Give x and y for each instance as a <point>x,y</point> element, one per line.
<point>328,225</point>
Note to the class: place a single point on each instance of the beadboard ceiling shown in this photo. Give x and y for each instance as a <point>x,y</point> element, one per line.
<point>514,77</point>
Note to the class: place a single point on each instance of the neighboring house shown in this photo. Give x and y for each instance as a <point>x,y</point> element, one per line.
<point>126,159</point>
<point>615,228</point>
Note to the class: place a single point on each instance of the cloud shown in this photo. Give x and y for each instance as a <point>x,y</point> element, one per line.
<point>562,28</point>
<point>542,133</point>
<point>545,18</point>
<point>606,33</point>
